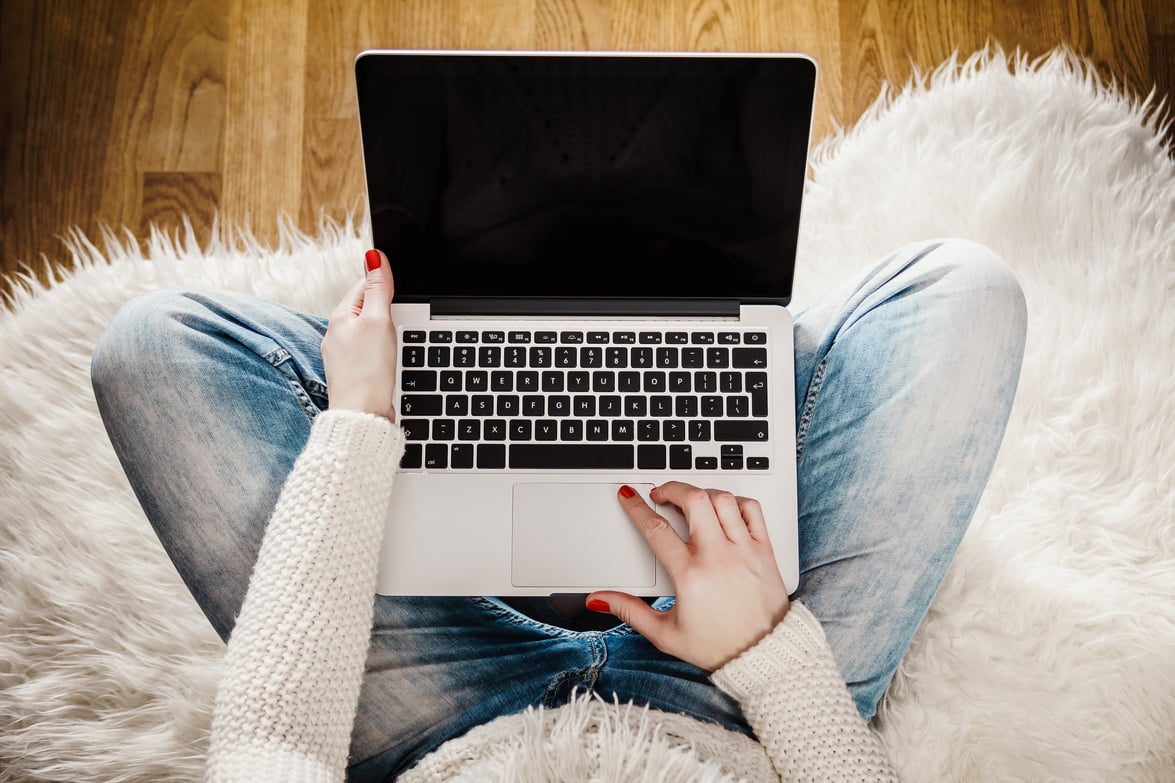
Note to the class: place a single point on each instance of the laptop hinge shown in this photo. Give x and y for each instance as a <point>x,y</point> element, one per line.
<point>585,308</point>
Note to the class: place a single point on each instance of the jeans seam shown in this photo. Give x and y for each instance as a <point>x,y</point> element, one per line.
<point>809,404</point>
<point>279,359</point>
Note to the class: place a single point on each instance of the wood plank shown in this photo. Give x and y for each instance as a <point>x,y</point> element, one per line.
<point>170,197</point>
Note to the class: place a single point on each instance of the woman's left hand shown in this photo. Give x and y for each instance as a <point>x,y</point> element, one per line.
<point>730,593</point>
<point>359,350</point>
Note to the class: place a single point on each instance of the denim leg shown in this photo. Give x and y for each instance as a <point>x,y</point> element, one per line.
<point>904,384</point>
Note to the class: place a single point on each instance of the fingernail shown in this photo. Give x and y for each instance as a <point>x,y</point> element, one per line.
<point>626,492</point>
<point>596,605</point>
<point>373,260</point>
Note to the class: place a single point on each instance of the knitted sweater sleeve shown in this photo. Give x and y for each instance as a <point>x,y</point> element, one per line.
<point>792,694</point>
<point>286,704</point>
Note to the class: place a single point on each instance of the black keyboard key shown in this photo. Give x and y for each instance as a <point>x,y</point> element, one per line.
<point>493,338</point>
<point>502,381</point>
<point>755,338</point>
<point>491,456</point>
<point>729,338</point>
<point>456,405</point>
<point>681,457</point>
<point>413,356</point>
<point>494,429</point>
<point>751,358</point>
<point>718,358</point>
<point>702,338</point>
<point>533,405</point>
<point>570,338</point>
<point>712,406</point>
<point>558,405</point>
<point>731,450</point>
<point>546,429</point>
<point>706,463</point>
<point>466,337</point>
<point>623,429</point>
<point>685,406</point>
<point>520,429</point>
<point>611,405</point>
<point>507,405</point>
<point>738,406</point>
<point>679,382</point>
<point>596,429</point>
<point>693,357</point>
<point>438,356</point>
<point>414,336</point>
<point>758,463</point>
<point>757,386</point>
<point>624,338</point>
<point>570,429</point>
<point>546,338</point>
<point>566,357</point>
<point>444,429</point>
<point>436,456</point>
<point>699,430</point>
<point>413,458</point>
<point>514,356</point>
<point>451,381</point>
<point>604,381</point>
<point>584,406</point>
<point>598,338</point>
<point>654,381</point>
<point>677,338</point>
<point>591,357</point>
<point>615,357</point>
<point>519,337</point>
<point>526,381</point>
<point>421,404</point>
<point>673,430</point>
<point>636,406</point>
<point>648,430</point>
<point>650,457</point>
<point>552,381</point>
<point>558,456</point>
<point>481,405</point>
<point>746,431</point>
<point>418,381</point>
<point>579,381</point>
<point>415,429</point>
<point>660,405</point>
<point>732,463</point>
<point>540,357</point>
<point>440,337</point>
<point>461,456</point>
<point>706,382</point>
<point>629,382</point>
<point>468,429</point>
<point>489,356</point>
<point>667,358</point>
<point>650,338</point>
<point>641,358</point>
<point>477,381</point>
<point>730,382</point>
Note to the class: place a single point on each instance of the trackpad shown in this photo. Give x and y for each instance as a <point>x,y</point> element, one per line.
<point>577,535</point>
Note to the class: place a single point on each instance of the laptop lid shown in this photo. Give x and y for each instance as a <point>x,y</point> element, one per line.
<point>573,177</point>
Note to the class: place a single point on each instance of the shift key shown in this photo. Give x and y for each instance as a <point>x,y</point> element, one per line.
<point>741,431</point>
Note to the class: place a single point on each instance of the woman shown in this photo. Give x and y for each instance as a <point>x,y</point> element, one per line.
<point>264,455</point>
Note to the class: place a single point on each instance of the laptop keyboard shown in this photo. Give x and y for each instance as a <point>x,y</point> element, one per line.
<point>584,400</point>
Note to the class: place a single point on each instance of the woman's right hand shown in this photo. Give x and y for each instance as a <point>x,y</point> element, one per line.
<point>730,593</point>
<point>359,350</point>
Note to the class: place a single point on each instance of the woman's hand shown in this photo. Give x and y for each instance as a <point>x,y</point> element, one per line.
<point>359,350</point>
<point>730,593</point>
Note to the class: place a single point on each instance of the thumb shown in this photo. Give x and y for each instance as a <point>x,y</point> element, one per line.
<point>378,287</point>
<point>644,619</point>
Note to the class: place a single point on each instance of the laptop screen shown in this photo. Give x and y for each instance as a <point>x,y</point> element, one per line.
<point>613,176</point>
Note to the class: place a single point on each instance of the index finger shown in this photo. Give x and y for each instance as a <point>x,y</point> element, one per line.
<point>662,538</point>
<point>697,506</point>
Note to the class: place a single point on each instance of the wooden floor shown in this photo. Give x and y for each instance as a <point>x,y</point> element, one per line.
<point>132,112</point>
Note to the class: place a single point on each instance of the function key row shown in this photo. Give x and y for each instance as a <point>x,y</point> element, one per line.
<point>591,338</point>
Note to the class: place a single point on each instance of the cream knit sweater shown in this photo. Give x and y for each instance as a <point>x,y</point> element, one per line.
<point>295,663</point>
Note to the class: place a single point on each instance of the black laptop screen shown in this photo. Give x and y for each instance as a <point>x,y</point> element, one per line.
<point>586,176</point>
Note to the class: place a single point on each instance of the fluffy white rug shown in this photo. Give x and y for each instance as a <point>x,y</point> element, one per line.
<point>1048,654</point>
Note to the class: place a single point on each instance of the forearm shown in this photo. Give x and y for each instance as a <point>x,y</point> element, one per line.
<point>295,660</point>
<point>792,694</point>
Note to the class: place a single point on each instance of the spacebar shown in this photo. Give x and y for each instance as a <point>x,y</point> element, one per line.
<point>555,456</point>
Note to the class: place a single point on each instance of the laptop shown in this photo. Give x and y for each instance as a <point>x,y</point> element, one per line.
<point>593,255</point>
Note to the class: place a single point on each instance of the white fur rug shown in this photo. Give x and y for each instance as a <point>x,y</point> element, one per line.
<point>1049,654</point>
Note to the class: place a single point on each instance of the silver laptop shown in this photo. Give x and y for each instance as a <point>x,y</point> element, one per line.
<point>593,255</point>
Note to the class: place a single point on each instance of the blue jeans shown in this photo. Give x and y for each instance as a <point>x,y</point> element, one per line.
<point>904,382</point>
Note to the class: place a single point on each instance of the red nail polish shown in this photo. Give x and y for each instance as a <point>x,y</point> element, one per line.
<point>627,492</point>
<point>596,605</point>
<point>373,260</point>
